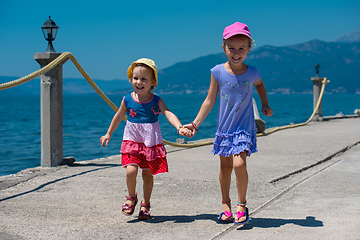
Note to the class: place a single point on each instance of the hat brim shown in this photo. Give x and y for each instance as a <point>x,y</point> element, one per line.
<point>154,68</point>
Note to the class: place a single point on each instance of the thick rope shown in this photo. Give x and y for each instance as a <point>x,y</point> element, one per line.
<point>67,55</point>
<point>60,60</point>
<point>324,82</point>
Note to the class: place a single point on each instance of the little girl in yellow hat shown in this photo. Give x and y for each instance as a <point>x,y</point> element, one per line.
<point>142,141</point>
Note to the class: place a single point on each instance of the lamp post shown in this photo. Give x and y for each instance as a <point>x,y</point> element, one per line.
<point>317,66</point>
<point>50,30</point>
<point>51,86</point>
<point>316,93</point>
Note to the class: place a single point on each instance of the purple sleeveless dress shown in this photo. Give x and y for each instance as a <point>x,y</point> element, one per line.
<point>236,129</point>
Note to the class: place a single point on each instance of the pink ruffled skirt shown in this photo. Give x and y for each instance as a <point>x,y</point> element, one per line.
<point>142,146</point>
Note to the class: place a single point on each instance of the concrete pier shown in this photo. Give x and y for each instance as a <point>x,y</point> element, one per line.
<point>303,184</point>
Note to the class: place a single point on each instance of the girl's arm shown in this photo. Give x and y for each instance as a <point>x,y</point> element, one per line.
<point>119,115</point>
<point>207,105</point>
<point>260,88</point>
<point>173,119</point>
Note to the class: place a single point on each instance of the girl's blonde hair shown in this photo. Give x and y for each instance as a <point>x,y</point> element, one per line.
<point>251,41</point>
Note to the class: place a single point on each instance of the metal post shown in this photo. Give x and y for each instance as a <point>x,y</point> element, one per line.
<point>317,88</point>
<point>51,111</point>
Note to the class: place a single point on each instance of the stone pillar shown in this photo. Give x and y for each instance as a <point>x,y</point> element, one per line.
<point>51,111</point>
<point>317,89</point>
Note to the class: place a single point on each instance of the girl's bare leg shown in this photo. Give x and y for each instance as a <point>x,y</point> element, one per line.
<point>148,185</point>
<point>241,181</point>
<point>131,174</point>
<point>226,167</point>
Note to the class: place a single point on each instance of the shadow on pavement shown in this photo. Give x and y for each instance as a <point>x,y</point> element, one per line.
<point>52,182</point>
<point>179,218</point>
<point>275,223</point>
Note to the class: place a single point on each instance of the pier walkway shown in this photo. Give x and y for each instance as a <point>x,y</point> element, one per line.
<point>303,184</point>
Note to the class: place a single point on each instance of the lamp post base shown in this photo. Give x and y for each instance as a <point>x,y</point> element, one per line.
<point>50,48</point>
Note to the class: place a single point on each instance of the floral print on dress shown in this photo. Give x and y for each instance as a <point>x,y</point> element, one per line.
<point>235,87</point>
<point>132,113</point>
<point>153,110</point>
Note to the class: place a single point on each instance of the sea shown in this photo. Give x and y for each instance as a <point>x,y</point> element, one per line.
<point>87,118</point>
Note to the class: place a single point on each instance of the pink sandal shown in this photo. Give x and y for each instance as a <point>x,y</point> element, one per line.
<point>242,214</point>
<point>144,215</point>
<point>130,207</point>
<point>228,214</point>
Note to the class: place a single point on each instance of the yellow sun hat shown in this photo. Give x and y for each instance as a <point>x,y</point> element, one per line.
<point>148,62</point>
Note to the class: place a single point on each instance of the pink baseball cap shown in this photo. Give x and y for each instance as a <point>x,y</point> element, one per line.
<point>235,29</point>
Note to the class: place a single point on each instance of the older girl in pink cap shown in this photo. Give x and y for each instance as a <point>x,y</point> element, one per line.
<point>235,137</point>
<point>142,142</point>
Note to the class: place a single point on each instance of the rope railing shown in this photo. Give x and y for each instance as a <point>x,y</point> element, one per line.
<point>324,82</point>
<point>60,59</point>
<point>67,55</point>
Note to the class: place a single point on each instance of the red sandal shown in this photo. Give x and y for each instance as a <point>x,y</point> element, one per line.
<point>144,214</point>
<point>130,207</point>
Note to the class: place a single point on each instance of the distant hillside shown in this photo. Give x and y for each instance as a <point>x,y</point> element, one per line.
<point>350,37</point>
<point>283,69</point>
<point>70,86</point>
<point>79,86</point>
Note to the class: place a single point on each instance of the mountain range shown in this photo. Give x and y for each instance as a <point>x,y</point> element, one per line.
<point>286,69</point>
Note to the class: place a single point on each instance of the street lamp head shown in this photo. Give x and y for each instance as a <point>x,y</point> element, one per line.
<point>50,30</point>
<point>317,66</point>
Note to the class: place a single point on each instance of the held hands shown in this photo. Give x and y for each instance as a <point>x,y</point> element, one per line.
<point>191,129</point>
<point>185,132</point>
<point>267,111</point>
<point>105,139</point>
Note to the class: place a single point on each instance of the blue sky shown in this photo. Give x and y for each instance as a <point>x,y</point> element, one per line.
<point>106,36</point>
